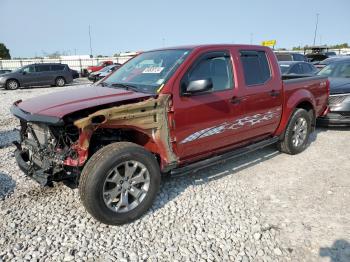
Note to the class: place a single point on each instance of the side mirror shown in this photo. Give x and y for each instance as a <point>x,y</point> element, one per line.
<point>197,86</point>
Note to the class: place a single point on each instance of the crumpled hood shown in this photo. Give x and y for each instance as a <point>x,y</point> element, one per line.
<point>339,85</point>
<point>63,103</point>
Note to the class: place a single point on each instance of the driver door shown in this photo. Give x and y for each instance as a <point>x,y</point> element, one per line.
<point>29,76</point>
<point>202,119</point>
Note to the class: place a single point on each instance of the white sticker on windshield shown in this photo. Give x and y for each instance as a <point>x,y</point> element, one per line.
<point>160,81</point>
<point>153,70</point>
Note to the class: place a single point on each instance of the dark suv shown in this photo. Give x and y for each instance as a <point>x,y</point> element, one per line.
<point>37,75</point>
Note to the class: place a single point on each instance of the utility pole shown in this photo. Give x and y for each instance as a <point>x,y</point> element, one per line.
<point>90,40</point>
<point>316,27</point>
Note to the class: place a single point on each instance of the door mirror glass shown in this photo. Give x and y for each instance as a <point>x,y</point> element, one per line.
<point>197,86</point>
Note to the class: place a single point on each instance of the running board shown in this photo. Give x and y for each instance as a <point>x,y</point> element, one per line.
<point>220,158</point>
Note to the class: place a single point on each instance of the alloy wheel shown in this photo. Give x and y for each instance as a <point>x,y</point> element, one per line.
<point>126,186</point>
<point>299,132</point>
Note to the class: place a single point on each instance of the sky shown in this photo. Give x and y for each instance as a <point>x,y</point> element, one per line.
<point>34,28</point>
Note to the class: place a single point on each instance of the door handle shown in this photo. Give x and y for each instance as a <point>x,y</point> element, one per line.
<point>274,93</point>
<point>235,100</point>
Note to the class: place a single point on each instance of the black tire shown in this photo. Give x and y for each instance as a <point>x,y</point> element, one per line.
<point>97,171</point>
<point>288,144</point>
<point>12,84</point>
<point>60,81</point>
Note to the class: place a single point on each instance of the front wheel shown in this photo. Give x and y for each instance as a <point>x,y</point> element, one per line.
<point>119,183</point>
<point>12,84</point>
<point>297,133</point>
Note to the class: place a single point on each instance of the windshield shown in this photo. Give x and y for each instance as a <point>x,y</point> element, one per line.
<point>336,70</point>
<point>284,68</point>
<point>148,71</point>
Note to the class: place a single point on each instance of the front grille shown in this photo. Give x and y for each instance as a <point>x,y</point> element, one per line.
<point>337,99</point>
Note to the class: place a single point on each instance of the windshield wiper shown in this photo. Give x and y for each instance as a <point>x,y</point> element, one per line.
<point>126,86</point>
<point>103,84</point>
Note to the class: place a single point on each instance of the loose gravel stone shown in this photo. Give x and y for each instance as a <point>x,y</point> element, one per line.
<point>217,214</point>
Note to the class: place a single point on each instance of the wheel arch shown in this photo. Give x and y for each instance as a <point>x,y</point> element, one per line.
<point>302,98</point>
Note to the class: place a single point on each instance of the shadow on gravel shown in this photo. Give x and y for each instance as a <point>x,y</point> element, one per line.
<point>215,172</point>
<point>7,137</point>
<point>338,252</point>
<point>7,185</point>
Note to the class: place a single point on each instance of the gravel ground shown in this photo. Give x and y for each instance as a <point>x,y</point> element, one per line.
<point>263,207</point>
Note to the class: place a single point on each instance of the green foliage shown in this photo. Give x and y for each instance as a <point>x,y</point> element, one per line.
<point>339,46</point>
<point>4,52</point>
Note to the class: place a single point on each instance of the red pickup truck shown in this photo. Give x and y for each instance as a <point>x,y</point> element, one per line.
<point>168,111</point>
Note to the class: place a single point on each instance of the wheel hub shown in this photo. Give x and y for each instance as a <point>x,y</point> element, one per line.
<point>126,186</point>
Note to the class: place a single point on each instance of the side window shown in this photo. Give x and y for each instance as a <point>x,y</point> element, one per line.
<point>42,68</point>
<point>218,69</point>
<point>296,70</point>
<point>255,66</point>
<point>298,57</point>
<point>57,67</point>
<point>29,69</point>
<point>306,68</point>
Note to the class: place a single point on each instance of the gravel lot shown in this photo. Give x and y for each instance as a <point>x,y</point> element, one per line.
<point>263,207</point>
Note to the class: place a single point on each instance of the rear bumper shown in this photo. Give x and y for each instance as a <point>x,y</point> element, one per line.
<point>334,119</point>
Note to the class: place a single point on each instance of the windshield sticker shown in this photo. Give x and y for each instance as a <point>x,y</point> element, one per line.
<point>153,70</point>
<point>160,81</point>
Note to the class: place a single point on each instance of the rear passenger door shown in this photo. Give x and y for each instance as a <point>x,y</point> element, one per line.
<point>43,74</point>
<point>261,95</point>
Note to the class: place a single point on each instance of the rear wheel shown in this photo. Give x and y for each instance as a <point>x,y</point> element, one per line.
<point>12,84</point>
<point>119,183</point>
<point>297,133</point>
<point>60,81</point>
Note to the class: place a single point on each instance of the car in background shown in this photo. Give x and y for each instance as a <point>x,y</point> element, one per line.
<point>297,68</point>
<point>338,74</point>
<point>99,66</point>
<point>288,56</point>
<point>95,76</point>
<point>326,62</point>
<point>4,71</point>
<point>37,75</point>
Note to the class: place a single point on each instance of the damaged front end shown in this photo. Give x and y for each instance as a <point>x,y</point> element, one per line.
<point>53,149</point>
<point>45,150</point>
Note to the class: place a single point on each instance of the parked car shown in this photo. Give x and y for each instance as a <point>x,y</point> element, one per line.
<point>338,74</point>
<point>188,109</point>
<point>37,75</point>
<point>287,56</point>
<point>95,76</point>
<point>4,71</point>
<point>91,69</point>
<point>323,63</point>
<point>297,68</point>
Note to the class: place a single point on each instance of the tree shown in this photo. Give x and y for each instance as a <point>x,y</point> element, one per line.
<point>4,52</point>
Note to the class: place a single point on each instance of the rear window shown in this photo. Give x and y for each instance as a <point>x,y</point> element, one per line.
<point>255,66</point>
<point>284,57</point>
<point>57,67</point>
